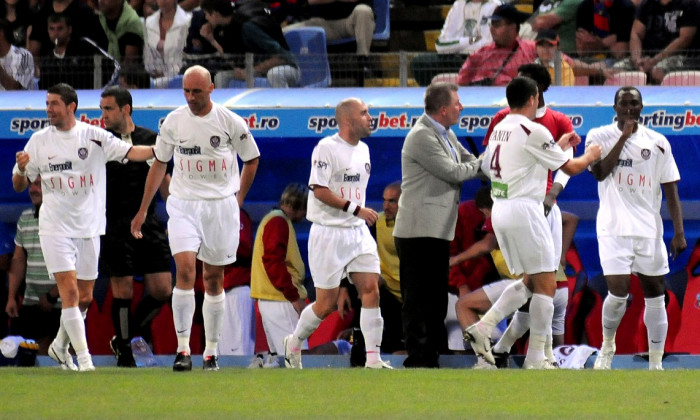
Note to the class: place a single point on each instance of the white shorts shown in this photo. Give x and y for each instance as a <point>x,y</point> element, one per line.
<point>455,337</point>
<point>71,254</point>
<point>335,252</point>
<point>555,225</point>
<point>208,227</point>
<point>524,236</point>
<point>279,319</point>
<point>627,254</point>
<point>495,290</point>
<point>561,299</point>
<point>238,329</point>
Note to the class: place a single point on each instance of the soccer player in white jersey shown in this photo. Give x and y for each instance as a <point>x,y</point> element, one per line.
<point>340,243</point>
<point>637,164</point>
<point>519,154</point>
<point>70,157</point>
<point>206,193</point>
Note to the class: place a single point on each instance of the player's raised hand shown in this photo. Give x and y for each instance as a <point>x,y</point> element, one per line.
<point>629,128</point>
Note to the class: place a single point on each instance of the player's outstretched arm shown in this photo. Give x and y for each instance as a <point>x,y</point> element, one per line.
<point>673,202</point>
<point>577,165</point>
<point>153,181</point>
<point>140,153</point>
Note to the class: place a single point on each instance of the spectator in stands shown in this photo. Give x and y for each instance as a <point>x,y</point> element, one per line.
<point>342,19</point>
<point>124,31</point>
<point>277,274</point>
<point>238,327</point>
<point>16,63</point>
<point>165,34</point>
<point>249,28</point>
<point>603,27</point>
<point>39,314</point>
<point>559,15</point>
<point>134,77</point>
<point>548,55</point>
<point>497,63</point>
<point>20,15</point>
<point>198,50</point>
<point>637,164</point>
<point>663,38</point>
<point>466,29</point>
<point>190,5</point>
<point>123,256</point>
<point>42,45</point>
<point>70,61</point>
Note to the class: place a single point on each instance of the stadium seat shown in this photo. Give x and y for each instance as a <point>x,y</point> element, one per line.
<point>329,329</point>
<point>688,339</point>
<point>259,82</point>
<point>681,78</point>
<point>627,78</point>
<point>445,77</point>
<point>309,47</point>
<point>382,26</point>
<point>175,82</point>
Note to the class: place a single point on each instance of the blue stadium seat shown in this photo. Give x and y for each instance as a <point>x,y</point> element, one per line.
<point>175,82</point>
<point>259,82</point>
<point>309,48</point>
<point>382,24</point>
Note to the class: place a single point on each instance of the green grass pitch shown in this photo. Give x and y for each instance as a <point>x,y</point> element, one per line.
<point>239,393</point>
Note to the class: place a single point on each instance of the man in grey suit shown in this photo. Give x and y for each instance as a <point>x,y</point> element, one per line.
<point>433,166</point>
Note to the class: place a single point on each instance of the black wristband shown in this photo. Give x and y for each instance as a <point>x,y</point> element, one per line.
<point>346,206</point>
<point>51,299</point>
<point>357,210</point>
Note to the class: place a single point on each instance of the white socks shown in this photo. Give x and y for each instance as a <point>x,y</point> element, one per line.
<point>74,324</point>
<point>372,326</point>
<point>213,314</point>
<point>614,308</point>
<point>541,311</point>
<point>656,320</point>
<point>308,322</point>
<point>512,298</point>
<point>517,328</point>
<point>183,311</point>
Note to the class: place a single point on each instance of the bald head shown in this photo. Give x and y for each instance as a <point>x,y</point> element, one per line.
<point>354,121</point>
<point>197,86</point>
<point>198,72</point>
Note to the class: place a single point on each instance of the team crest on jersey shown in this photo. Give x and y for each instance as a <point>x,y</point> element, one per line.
<point>646,154</point>
<point>368,167</point>
<point>215,141</point>
<point>83,153</point>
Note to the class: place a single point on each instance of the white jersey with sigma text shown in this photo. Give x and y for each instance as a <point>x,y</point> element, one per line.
<point>73,177</point>
<point>204,150</point>
<point>519,155</point>
<point>344,169</point>
<point>630,197</point>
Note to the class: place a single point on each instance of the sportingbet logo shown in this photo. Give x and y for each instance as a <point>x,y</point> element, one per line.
<point>677,122</point>
<point>261,123</point>
<point>383,121</point>
<point>100,122</point>
<point>24,125</point>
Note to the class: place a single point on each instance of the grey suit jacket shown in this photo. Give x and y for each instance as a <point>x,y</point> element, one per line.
<point>431,181</point>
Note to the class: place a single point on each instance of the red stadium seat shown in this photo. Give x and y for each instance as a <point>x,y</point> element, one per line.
<point>329,329</point>
<point>681,78</point>
<point>627,78</point>
<point>688,339</point>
